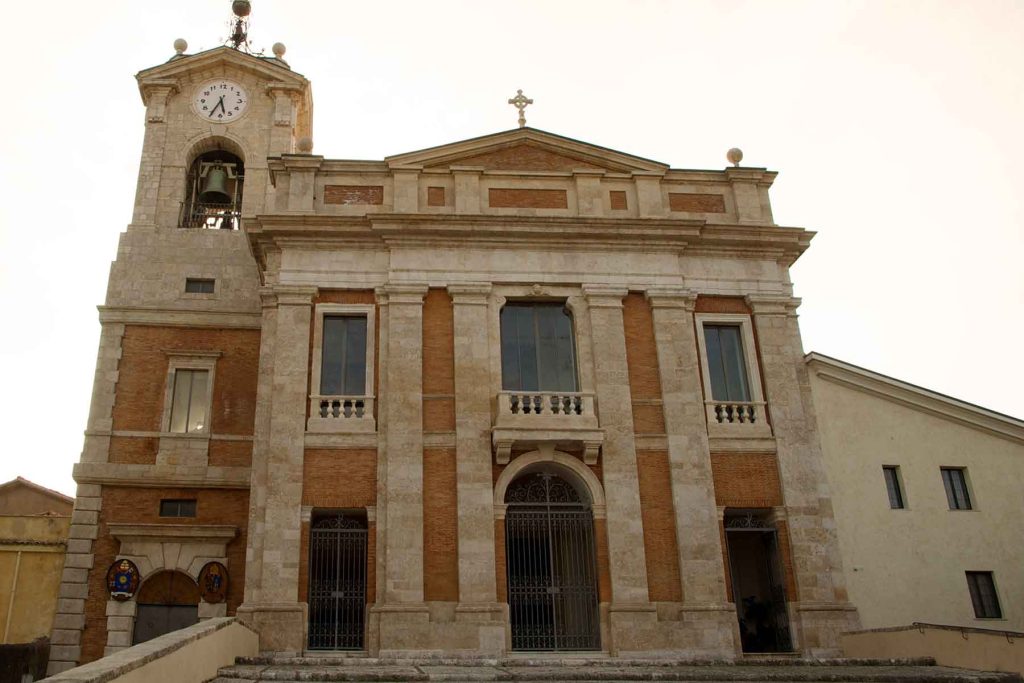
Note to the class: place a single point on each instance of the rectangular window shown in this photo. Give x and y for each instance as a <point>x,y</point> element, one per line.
<point>198,286</point>
<point>892,485</point>
<point>178,508</point>
<point>343,359</point>
<point>189,401</point>
<point>983,595</point>
<point>955,481</point>
<point>727,366</point>
<point>537,348</point>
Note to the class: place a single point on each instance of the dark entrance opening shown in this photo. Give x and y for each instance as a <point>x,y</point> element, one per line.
<point>552,568</point>
<point>166,602</point>
<point>758,582</point>
<point>337,581</point>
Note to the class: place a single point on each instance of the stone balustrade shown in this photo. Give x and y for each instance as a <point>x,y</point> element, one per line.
<point>533,418</point>
<point>735,412</point>
<point>545,403</point>
<point>341,414</point>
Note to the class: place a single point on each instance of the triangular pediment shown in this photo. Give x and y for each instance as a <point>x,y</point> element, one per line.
<point>526,149</point>
<point>267,68</point>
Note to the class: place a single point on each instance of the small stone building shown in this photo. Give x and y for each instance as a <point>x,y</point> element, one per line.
<point>513,393</point>
<point>34,523</point>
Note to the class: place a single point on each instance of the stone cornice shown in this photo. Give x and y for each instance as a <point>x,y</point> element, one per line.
<point>173,533</point>
<point>772,304</point>
<point>915,397</point>
<point>403,292</point>
<point>160,476</point>
<point>469,293</point>
<point>604,296</point>
<point>166,317</point>
<point>671,297</point>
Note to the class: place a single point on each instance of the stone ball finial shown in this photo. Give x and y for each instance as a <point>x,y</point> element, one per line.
<point>735,156</point>
<point>180,45</point>
<point>279,50</point>
<point>241,8</point>
<point>304,145</point>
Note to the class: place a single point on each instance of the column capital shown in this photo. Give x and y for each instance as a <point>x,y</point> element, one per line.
<point>295,295</point>
<point>604,296</point>
<point>672,297</point>
<point>402,293</point>
<point>772,304</point>
<point>268,297</point>
<point>470,292</point>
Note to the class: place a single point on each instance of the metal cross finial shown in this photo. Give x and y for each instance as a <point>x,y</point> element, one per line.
<point>521,101</point>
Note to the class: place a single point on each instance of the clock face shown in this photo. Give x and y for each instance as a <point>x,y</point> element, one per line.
<point>220,100</point>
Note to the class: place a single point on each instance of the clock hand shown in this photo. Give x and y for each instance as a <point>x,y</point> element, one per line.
<point>220,103</point>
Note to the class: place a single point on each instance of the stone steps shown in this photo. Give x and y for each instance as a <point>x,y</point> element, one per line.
<point>535,670</point>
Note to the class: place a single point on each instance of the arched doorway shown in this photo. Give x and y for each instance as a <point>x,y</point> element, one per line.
<point>551,564</point>
<point>167,601</point>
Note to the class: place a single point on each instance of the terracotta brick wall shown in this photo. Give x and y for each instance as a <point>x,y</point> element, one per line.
<point>342,479</point>
<point>696,203</point>
<point>230,453</point>
<point>143,374</point>
<point>746,480</point>
<point>440,526</point>
<point>658,515</point>
<point>642,362</point>
<point>142,506</point>
<point>438,362</point>
<point>522,157</point>
<point>435,196</point>
<point>617,199</point>
<point>353,194</point>
<point>524,198</point>
<point>721,304</point>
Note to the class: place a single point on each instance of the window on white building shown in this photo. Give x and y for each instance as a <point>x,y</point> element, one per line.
<point>893,486</point>
<point>955,481</point>
<point>983,595</point>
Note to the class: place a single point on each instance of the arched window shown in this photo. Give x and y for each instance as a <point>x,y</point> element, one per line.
<point>167,601</point>
<point>213,191</point>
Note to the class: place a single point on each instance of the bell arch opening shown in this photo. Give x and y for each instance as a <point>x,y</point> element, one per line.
<point>213,187</point>
<point>551,561</point>
<point>166,601</point>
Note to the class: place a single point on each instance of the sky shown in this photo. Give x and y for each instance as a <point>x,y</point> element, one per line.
<point>895,128</point>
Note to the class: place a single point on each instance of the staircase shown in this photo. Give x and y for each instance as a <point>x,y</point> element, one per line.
<point>327,668</point>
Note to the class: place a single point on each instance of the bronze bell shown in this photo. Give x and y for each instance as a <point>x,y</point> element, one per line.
<point>214,191</point>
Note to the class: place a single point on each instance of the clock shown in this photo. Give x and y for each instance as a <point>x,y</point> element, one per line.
<point>220,100</point>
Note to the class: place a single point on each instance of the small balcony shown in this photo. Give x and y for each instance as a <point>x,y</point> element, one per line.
<point>530,418</point>
<point>341,414</point>
<point>737,419</point>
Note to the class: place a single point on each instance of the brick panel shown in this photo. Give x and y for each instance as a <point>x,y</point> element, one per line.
<point>642,362</point>
<point>524,198</point>
<point>696,203</point>
<point>339,478</point>
<point>523,157</point>
<point>141,506</point>
<point>230,453</point>
<point>500,568</point>
<point>746,480</point>
<point>435,196</point>
<point>438,362</point>
<point>604,575</point>
<point>130,450</point>
<point>440,526</point>
<point>658,515</point>
<point>143,374</point>
<point>617,198</point>
<point>722,304</point>
<point>353,194</point>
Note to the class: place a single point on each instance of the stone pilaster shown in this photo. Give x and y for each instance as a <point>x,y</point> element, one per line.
<point>823,610</point>
<point>699,544</point>
<point>258,485</point>
<point>69,620</point>
<point>478,597</point>
<point>278,615</point>
<point>104,386</point>
<point>631,612</point>
<point>147,191</point>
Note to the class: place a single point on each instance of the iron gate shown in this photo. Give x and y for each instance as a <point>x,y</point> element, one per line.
<point>337,583</point>
<point>551,561</point>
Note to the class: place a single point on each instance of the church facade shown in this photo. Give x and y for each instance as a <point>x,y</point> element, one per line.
<point>513,393</point>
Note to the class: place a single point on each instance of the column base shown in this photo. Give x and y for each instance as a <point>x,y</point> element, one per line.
<point>438,628</point>
<point>673,629</point>
<point>282,625</point>
<point>820,625</point>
